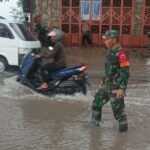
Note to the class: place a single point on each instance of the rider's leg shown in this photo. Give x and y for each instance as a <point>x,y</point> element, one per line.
<point>45,71</point>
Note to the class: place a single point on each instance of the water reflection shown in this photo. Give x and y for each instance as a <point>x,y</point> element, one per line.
<point>32,121</point>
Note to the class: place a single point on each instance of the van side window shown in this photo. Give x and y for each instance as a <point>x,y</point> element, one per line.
<point>5,32</point>
<point>22,31</point>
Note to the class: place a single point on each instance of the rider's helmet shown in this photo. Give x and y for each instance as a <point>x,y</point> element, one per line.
<point>52,33</point>
<point>56,35</point>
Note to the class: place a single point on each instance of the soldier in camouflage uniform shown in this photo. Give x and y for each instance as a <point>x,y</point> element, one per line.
<point>114,83</point>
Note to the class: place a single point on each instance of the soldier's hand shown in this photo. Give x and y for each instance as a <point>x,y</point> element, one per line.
<point>37,56</point>
<point>120,93</point>
<point>101,83</point>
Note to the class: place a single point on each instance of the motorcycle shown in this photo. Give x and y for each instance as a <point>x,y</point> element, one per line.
<point>69,80</point>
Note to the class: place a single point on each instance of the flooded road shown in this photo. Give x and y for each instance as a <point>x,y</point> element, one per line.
<point>31,121</point>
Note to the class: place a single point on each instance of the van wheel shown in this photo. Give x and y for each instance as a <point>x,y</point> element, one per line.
<point>3,65</point>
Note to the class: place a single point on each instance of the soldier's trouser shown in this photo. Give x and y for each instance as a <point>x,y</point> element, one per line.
<point>101,98</point>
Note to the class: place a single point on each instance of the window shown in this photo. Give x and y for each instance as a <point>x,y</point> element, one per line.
<point>88,8</point>
<point>96,10</point>
<point>75,3</point>
<point>116,3</point>
<point>65,3</point>
<point>147,2</point>
<point>22,31</point>
<point>5,32</point>
<point>106,3</point>
<point>127,3</point>
<point>85,9</point>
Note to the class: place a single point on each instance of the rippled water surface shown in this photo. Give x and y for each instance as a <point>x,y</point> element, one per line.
<point>30,121</point>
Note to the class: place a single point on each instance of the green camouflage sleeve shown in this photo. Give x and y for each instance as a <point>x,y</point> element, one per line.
<point>124,76</point>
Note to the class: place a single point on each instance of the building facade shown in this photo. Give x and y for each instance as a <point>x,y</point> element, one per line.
<point>130,17</point>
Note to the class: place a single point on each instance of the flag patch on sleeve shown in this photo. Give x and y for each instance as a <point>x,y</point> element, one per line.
<point>123,59</point>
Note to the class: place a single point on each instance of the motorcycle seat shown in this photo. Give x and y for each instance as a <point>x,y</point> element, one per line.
<point>67,68</point>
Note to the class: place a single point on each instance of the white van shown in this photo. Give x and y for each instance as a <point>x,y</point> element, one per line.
<point>15,41</point>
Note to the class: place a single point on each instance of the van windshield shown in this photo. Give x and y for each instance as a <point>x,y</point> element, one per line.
<point>22,31</point>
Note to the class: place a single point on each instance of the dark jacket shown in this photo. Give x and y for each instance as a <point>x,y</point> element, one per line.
<point>56,56</point>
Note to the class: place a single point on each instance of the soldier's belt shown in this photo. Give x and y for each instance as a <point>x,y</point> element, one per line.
<point>114,91</point>
<point>111,78</point>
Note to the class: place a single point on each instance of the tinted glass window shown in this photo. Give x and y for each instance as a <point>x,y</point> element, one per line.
<point>22,31</point>
<point>5,32</point>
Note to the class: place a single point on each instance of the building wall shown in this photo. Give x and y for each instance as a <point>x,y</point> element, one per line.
<point>138,13</point>
<point>49,13</point>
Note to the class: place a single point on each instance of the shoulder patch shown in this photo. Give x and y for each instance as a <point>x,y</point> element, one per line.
<point>123,59</point>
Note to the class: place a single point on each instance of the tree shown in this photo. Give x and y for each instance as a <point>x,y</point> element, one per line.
<point>17,12</point>
<point>3,0</point>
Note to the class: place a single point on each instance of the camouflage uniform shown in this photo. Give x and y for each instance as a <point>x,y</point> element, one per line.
<point>116,77</point>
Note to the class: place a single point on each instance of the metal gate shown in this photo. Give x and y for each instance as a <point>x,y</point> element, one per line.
<point>145,23</point>
<point>70,21</point>
<point>101,15</point>
<point>114,14</point>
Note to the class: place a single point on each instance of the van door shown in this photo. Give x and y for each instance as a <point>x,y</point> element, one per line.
<point>8,45</point>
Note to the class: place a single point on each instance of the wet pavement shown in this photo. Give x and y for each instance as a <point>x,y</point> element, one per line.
<point>31,121</point>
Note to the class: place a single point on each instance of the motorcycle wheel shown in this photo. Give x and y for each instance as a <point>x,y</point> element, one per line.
<point>66,88</point>
<point>82,87</point>
<point>67,91</point>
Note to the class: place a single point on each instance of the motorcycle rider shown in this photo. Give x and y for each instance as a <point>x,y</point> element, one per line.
<point>54,56</point>
<point>114,84</point>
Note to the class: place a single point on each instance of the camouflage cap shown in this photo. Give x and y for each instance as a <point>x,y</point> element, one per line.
<point>110,34</point>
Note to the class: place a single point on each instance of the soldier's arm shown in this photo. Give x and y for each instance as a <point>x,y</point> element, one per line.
<point>124,76</point>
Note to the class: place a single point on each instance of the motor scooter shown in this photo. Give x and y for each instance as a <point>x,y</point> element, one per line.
<point>69,80</point>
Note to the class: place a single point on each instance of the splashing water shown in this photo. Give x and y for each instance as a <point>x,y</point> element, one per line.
<point>19,91</point>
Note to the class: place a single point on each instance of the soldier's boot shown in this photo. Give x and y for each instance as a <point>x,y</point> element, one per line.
<point>95,119</point>
<point>123,123</point>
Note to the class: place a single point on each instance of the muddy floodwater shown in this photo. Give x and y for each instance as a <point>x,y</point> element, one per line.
<point>31,121</point>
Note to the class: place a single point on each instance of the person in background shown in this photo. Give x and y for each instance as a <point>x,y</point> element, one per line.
<point>114,83</point>
<point>86,34</point>
<point>4,32</point>
<point>26,22</point>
